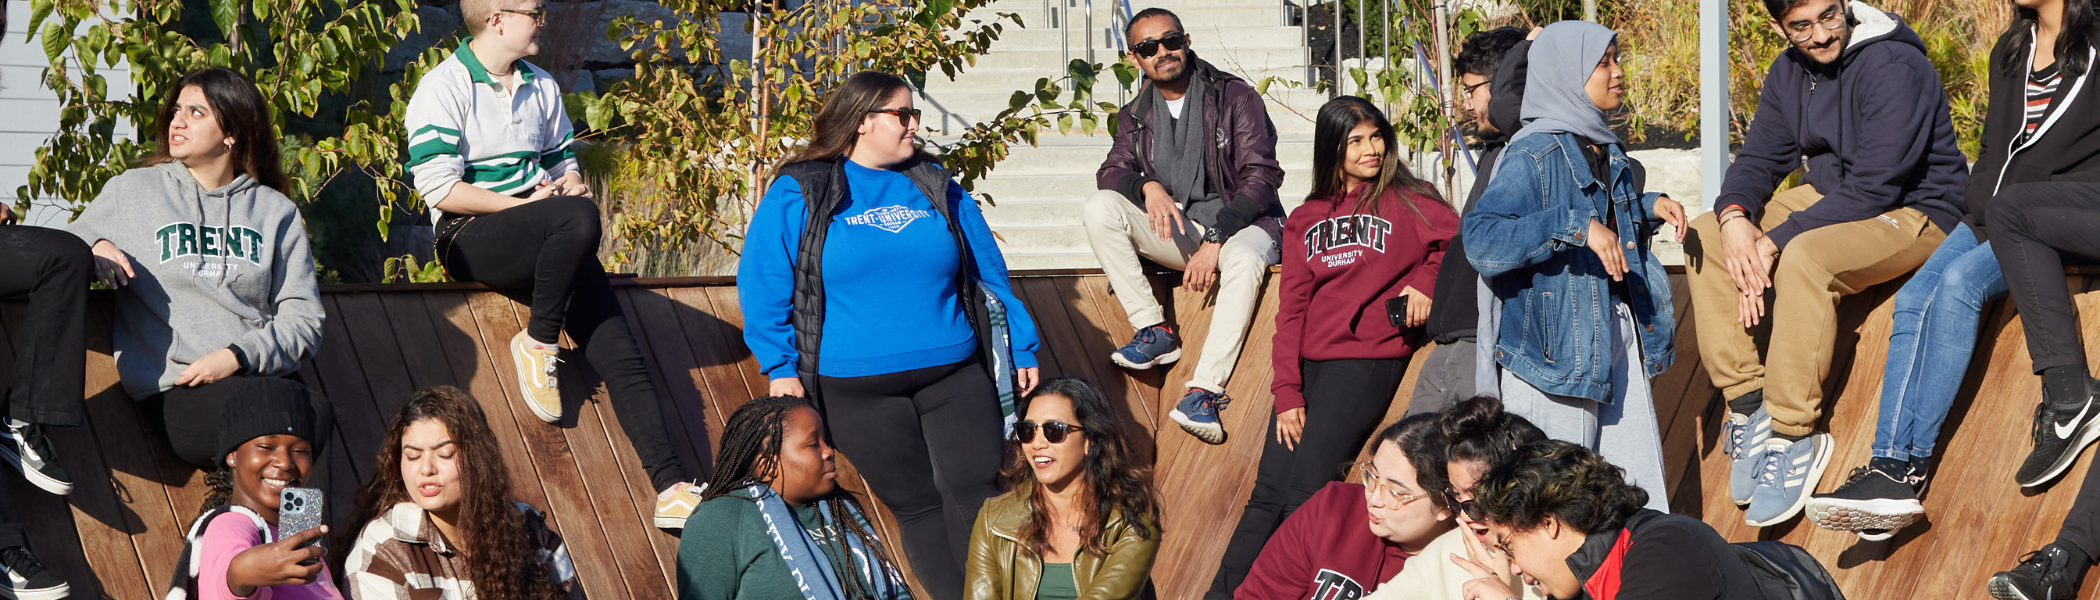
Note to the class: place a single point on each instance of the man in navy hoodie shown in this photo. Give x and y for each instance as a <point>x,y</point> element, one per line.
<point>1854,104</point>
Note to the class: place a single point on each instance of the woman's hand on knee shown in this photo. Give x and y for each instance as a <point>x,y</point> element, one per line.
<point>220,364</point>
<point>111,266</point>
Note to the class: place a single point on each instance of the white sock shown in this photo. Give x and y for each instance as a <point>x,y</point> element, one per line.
<point>538,345</point>
<point>13,424</point>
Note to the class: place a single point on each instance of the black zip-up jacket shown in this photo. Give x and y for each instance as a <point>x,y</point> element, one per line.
<point>823,185</point>
<point>2066,146</point>
<point>1874,129</point>
<point>1671,557</point>
<point>1453,313</point>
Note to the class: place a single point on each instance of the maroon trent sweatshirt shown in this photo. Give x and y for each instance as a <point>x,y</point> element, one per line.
<point>1325,551</point>
<point>1339,267</point>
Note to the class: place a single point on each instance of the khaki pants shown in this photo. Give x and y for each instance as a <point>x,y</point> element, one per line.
<point>1120,232</point>
<point>1814,271</point>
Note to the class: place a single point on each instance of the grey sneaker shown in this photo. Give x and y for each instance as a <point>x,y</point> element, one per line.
<point>1787,472</point>
<point>1740,435</point>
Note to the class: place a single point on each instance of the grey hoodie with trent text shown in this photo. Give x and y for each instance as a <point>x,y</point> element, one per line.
<point>221,268</point>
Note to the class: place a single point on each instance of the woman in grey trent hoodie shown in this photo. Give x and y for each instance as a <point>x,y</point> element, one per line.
<point>216,297</point>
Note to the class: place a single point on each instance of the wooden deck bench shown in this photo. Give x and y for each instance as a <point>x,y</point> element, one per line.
<point>118,534</point>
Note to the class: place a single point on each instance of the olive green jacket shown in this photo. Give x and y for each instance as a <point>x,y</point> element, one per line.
<point>1000,569</point>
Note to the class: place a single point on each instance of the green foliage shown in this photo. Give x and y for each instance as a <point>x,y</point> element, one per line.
<point>1413,97</point>
<point>697,144</point>
<point>301,54</point>
<point>405,268</point>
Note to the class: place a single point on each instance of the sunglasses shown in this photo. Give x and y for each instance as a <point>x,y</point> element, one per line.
<point>1468,508</point>
<point>539,15</point>
<point>1053,431</point>
<point>904,115</point>
<point>1174,43</point>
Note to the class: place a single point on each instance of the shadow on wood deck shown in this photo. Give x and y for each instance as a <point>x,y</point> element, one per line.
<point>118,535</point>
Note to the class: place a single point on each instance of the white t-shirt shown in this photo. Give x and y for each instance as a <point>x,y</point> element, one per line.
<point>1174,106</point>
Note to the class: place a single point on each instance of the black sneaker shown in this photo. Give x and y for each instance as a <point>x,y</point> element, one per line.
<point>2051,573</point>
<point>26,578</point>
<point>2059,435</point>
<point>28,450</point>
<point>1875,501</point>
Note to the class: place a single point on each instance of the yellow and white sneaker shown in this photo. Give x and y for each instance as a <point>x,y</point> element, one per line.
<point>536,377</point>
<point>674,505</point>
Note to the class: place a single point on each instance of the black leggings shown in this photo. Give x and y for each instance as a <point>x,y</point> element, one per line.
<point>191,416</point>
<point>928,442</point>
<point>569,291</point>
<point>50,269</point>
<point>2033,226</point>
<point>1344,401</point>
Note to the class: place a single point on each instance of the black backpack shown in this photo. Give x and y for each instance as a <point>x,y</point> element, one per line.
<point>1785,571</point>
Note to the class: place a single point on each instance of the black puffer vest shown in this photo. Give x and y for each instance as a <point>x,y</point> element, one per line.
<point>824,192</point>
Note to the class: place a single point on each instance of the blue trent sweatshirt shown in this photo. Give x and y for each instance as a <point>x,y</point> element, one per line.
<point>890,300</point>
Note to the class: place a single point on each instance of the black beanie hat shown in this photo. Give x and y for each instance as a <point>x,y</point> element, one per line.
<point>269,406</point>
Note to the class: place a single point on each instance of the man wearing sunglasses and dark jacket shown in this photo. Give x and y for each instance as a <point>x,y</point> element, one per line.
<point>1190,184</point>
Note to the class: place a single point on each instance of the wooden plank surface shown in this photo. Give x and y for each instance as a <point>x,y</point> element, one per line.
<point>116,535</point>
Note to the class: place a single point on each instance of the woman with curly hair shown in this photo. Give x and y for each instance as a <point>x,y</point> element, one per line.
<point>776,523</point>
<point>1082,520</point>
<point>1571,524</point>
<point>442,520</point>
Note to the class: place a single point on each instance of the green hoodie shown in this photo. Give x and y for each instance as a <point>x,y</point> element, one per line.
<point>222,268</point>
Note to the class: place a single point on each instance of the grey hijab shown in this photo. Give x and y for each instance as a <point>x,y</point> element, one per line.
<point>1561,60</point>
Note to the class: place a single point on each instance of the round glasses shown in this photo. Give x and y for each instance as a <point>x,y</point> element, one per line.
<point>1376,487</point>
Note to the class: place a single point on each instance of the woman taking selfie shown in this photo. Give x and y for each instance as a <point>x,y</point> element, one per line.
<point>442,521</point>
<point>774,522</point>
<point>1360,258</point>
<point>216,298</point>
<point>1082,521</point>
<point>233,550</point>
<point>875,309</point>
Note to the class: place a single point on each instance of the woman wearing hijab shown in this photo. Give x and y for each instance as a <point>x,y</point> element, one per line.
<point>1585,303</point>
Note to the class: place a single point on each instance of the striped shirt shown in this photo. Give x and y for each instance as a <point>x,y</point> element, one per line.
<point>401,556</point>
<point>2041,90</point>
<point>464,125</point>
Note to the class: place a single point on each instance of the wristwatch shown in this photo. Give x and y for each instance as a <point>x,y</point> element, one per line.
<point>1213,235</point>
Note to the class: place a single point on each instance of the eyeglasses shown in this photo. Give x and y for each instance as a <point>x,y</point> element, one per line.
<point>1834,19</point>
<point>1379,487</point>
<point>1502,545</point>
<point>1469,508</point>
<point>1174,43</point>
<point>1053,431</point>
<point>904,115</point>
<point>1470,88</point>
<point>539,15</point>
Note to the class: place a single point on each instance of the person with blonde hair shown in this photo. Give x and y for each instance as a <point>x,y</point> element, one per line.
<point>492,152</point>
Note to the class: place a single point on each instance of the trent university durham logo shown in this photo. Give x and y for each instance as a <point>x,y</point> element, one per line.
<point>892,219</point>
<point>187,239</point>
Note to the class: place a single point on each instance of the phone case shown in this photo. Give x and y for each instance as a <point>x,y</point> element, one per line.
<point>1396,311</point>
<point>300,509</point>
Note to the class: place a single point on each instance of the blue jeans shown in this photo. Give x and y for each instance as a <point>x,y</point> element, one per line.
<point>1931,338</point>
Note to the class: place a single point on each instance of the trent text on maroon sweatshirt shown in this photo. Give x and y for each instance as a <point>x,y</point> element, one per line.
<point>1325,551</point>
<point>1339,267</point>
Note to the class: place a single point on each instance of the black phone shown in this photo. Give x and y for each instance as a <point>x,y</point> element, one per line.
<point>1396,311</point>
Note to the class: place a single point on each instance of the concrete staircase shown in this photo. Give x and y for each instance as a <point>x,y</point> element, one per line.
<point>1037,191</point>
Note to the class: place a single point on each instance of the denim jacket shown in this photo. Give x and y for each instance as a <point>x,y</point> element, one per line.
<point>1527,237</point>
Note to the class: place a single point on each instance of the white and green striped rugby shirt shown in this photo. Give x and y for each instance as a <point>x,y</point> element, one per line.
<point>464,126</point>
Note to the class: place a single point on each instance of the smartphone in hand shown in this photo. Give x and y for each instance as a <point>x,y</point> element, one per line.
<point>1396,311</point>
<point>300,509</point>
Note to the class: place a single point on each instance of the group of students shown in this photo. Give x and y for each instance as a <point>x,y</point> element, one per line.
<point>1530,453</point>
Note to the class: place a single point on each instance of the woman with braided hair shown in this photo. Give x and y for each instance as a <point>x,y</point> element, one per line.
<point>778,525</point>
<point>442,519</point>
